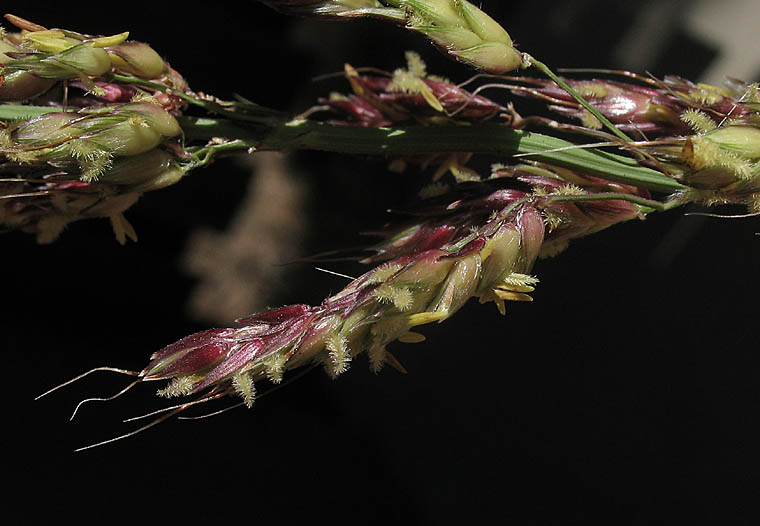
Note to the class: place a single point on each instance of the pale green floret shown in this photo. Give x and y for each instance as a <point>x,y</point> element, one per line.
<point>159,119</point>
<point>702,153</point>
<point>85,58</point>
<point>466,32</point>
<point>128,130</point>
<point>740,140</point>
<point>453,38</point>
<point>438,12</point>
<point>493,57</point>
<point>137,59</point>
<point>482,24</point>
<point>129,137</point>
<point>48,128</point>
<point>148,171</point>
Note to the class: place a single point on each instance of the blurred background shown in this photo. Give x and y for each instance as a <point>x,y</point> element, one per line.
<point>626,393</point>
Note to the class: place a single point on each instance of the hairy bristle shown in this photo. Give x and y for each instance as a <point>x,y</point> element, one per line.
<point>706,154</point>
<point>699,121</point>
<point>433,190</point>
<point>275,365</point>
<point>383,273</point>
<point>339,357</point>
<point>415,64</point>
<point>376,355</point>
<point>589,120</point>
<point>179,386</point>
<point>243,384</point>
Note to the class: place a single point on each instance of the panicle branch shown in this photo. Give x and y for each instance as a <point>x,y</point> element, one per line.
<point>92,154</point>
<point>478,240</point>
<point>92,141</point>
<point>703,136</point>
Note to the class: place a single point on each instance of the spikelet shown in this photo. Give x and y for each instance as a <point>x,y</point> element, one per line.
<point>702,153</point>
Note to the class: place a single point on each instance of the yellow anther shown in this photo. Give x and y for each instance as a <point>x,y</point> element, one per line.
<point>421,318</point>
<point>113,40</point>
<point>512,296</point>
<point>411,337</point>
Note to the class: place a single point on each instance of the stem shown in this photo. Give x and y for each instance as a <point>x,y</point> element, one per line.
<point>16,112</point>
<point>249,111</point>
<point>398,141</point>
<point>608,196</point>
<point>494,139</point>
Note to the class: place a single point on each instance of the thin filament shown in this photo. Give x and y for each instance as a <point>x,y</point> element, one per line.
<point>145,427</point>
<point>127,388</point>
<point>64,384</point>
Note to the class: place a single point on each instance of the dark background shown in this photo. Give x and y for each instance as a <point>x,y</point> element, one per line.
<point>627,393</point>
